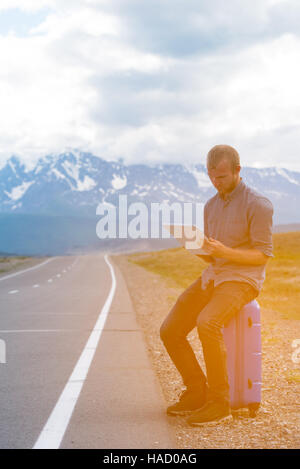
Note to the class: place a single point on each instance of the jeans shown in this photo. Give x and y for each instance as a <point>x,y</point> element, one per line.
<point>209,309</point>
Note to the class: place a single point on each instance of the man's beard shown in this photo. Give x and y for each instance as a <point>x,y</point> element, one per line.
<point>229,189</point>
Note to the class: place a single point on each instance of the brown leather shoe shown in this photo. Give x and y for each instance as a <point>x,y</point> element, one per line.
<point>211,413</point>
<point>189,400</point>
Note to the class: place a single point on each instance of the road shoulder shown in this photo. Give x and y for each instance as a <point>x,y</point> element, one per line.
<point>121,404</point>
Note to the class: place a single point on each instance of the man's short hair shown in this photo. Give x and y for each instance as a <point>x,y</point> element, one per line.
<point>220,152</point>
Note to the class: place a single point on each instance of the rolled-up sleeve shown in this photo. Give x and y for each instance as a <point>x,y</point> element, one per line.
<point>260,225</point>
<point>205,221</point>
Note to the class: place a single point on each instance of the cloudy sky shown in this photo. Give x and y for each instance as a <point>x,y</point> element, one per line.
<point>151,80</point>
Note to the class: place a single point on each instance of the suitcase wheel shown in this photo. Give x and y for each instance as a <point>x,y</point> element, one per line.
<point>253,409</point>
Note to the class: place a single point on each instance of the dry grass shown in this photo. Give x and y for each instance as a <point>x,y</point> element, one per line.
<point>281,290</point>
<point>12,264</point>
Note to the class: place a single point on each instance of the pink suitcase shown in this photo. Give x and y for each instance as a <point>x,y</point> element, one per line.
<point>242,338</point>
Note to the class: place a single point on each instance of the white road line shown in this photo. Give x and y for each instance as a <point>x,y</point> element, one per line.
<point>13,291</point>
<point>26,270</point>
<point>35,286</point>
<point>50,280</point>
<point>58,275</point>
<point>54,429</point>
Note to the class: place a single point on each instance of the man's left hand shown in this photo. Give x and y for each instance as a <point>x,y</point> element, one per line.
<point>214,248</point>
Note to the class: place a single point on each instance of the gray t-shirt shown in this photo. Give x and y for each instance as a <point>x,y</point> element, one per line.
<point>242,221</point>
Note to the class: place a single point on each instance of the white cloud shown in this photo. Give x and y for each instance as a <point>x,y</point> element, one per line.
<point>85,79</point>
<point>26,5</point>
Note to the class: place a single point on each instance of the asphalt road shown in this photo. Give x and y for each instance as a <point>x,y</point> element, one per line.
<point>72,379</point>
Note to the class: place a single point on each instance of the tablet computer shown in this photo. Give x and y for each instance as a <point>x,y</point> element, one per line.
<point>190,236</point>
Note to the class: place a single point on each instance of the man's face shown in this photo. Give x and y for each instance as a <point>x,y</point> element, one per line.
<point>223,177</point>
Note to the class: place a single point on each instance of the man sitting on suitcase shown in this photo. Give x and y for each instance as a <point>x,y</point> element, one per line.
<point>238,229</point>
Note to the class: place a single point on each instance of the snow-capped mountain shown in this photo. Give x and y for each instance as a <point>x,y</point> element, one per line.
<point>75,183</point>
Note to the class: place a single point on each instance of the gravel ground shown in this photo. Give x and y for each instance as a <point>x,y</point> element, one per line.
<point>277,424</point>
